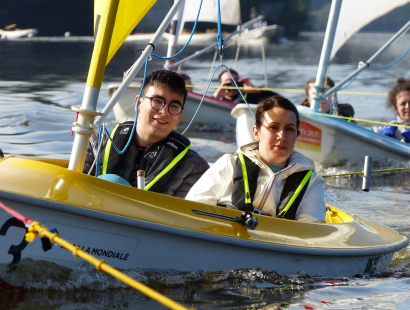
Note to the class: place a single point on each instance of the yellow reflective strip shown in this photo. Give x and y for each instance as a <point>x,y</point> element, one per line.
<point>167,168</point>
<point>245,179</point>
<point>296,194</point>
<point>107,151</point>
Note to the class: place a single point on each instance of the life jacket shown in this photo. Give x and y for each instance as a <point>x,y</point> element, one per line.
<point>245,184</point>
<point>390,131</point>
<point>166,154</point>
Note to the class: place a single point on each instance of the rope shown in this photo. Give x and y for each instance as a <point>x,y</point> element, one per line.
<point>390,64</point>
<point>219,36</point>
<point>136,117</point>
<point>237,50</point>
<point>26,220</point>
<point>203,97</point>
<point>297,90</point>
<point>100,137</point>
<point>189,40</point>
<point>264,63</point>
<point>350,82</point>
<point>212,66</point>
<point>354,119</point>
<point>36,229</point>
<point>361,172</point>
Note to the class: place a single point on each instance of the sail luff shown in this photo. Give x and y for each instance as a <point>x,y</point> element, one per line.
<point>355,14</point>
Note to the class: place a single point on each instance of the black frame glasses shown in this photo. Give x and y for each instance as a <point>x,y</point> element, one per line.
<point>158,103</point>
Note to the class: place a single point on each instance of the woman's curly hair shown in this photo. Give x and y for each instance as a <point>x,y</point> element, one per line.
<point>402,84</point>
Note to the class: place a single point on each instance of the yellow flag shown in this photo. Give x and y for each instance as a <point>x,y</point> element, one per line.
<point>113,22</point>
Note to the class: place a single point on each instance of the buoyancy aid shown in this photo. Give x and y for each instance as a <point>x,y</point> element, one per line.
<point>245,184</point>
<point>165,156</point>
<point>390,131</point>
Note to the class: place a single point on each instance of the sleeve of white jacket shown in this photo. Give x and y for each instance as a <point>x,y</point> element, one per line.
<point>312,207</point>
<point>215,182</point>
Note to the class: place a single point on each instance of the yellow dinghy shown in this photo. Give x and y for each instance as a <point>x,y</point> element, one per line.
<point>131,228</point>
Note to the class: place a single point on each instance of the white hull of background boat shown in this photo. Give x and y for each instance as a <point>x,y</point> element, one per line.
<point>212,111</point>
<point>329,141</point>
<point>14,34</point>
<point>272,33</point>
<point>130,228</point>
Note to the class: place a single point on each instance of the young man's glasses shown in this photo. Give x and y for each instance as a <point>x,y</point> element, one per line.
<point>157,103</point>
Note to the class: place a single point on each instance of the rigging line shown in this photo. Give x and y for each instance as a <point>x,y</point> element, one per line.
<point>350,82</point>
<point>264,63</point>
<point>238,46</point>
<point>212,67</point>
<point>361,215</point>
<point>200,103</point>
<point>361,172</point>
<point>203,97</point>
<point>186,44</point>
<point>219,36</point>
<point>354,119</point>
<point>390,64</point>
<point>101,133</point>
<point>135,119</point>
<point>297,90</point>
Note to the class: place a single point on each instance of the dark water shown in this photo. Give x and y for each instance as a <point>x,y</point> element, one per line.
<point>41,79</point>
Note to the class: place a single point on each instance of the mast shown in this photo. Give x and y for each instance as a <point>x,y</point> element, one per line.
<point>84,127</point>
<point>326,53</point>
<point>174,32</point>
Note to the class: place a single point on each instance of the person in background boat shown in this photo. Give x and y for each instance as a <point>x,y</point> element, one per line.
<point>273,170</point>
<point>343,109</point>
<point>251,96</point>
<point>171,168</point>
<point>187,81</point>
<point>399,100</point>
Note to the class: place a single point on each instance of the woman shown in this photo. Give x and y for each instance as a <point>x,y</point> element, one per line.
<point>399,100</point>
<point>272,168</point>
<point>343,109</point>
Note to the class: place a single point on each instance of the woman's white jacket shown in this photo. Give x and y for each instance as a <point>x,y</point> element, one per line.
<point>216,185</point>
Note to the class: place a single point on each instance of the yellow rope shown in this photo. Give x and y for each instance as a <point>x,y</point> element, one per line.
<point>291,90</point>
<point>36,229</point>
<point>354,119</point>
<point>361,172</point>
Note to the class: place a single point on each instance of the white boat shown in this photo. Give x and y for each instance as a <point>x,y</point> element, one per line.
<point>132,228</point>
<point>230,15</point>
<point>270,33</point>
<point>11,32</point>
<point>213,112</point>
<point>326,140</point>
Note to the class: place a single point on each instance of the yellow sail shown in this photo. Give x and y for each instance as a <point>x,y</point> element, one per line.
<point>113,22</point>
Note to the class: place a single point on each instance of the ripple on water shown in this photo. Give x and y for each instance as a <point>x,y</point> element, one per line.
<point>230,289</point>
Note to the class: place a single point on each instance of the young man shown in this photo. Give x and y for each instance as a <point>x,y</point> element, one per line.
<point>171,168</point>
<point>251,96</point>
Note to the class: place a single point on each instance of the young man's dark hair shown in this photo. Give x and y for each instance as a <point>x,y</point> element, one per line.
<point>173,80</point>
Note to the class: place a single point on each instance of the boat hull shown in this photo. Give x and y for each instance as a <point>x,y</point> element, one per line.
<point>272,33</point>
<point>130,228</point>
<point>329,141</point>
<point>214,112</point>
<point>14,34</point>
